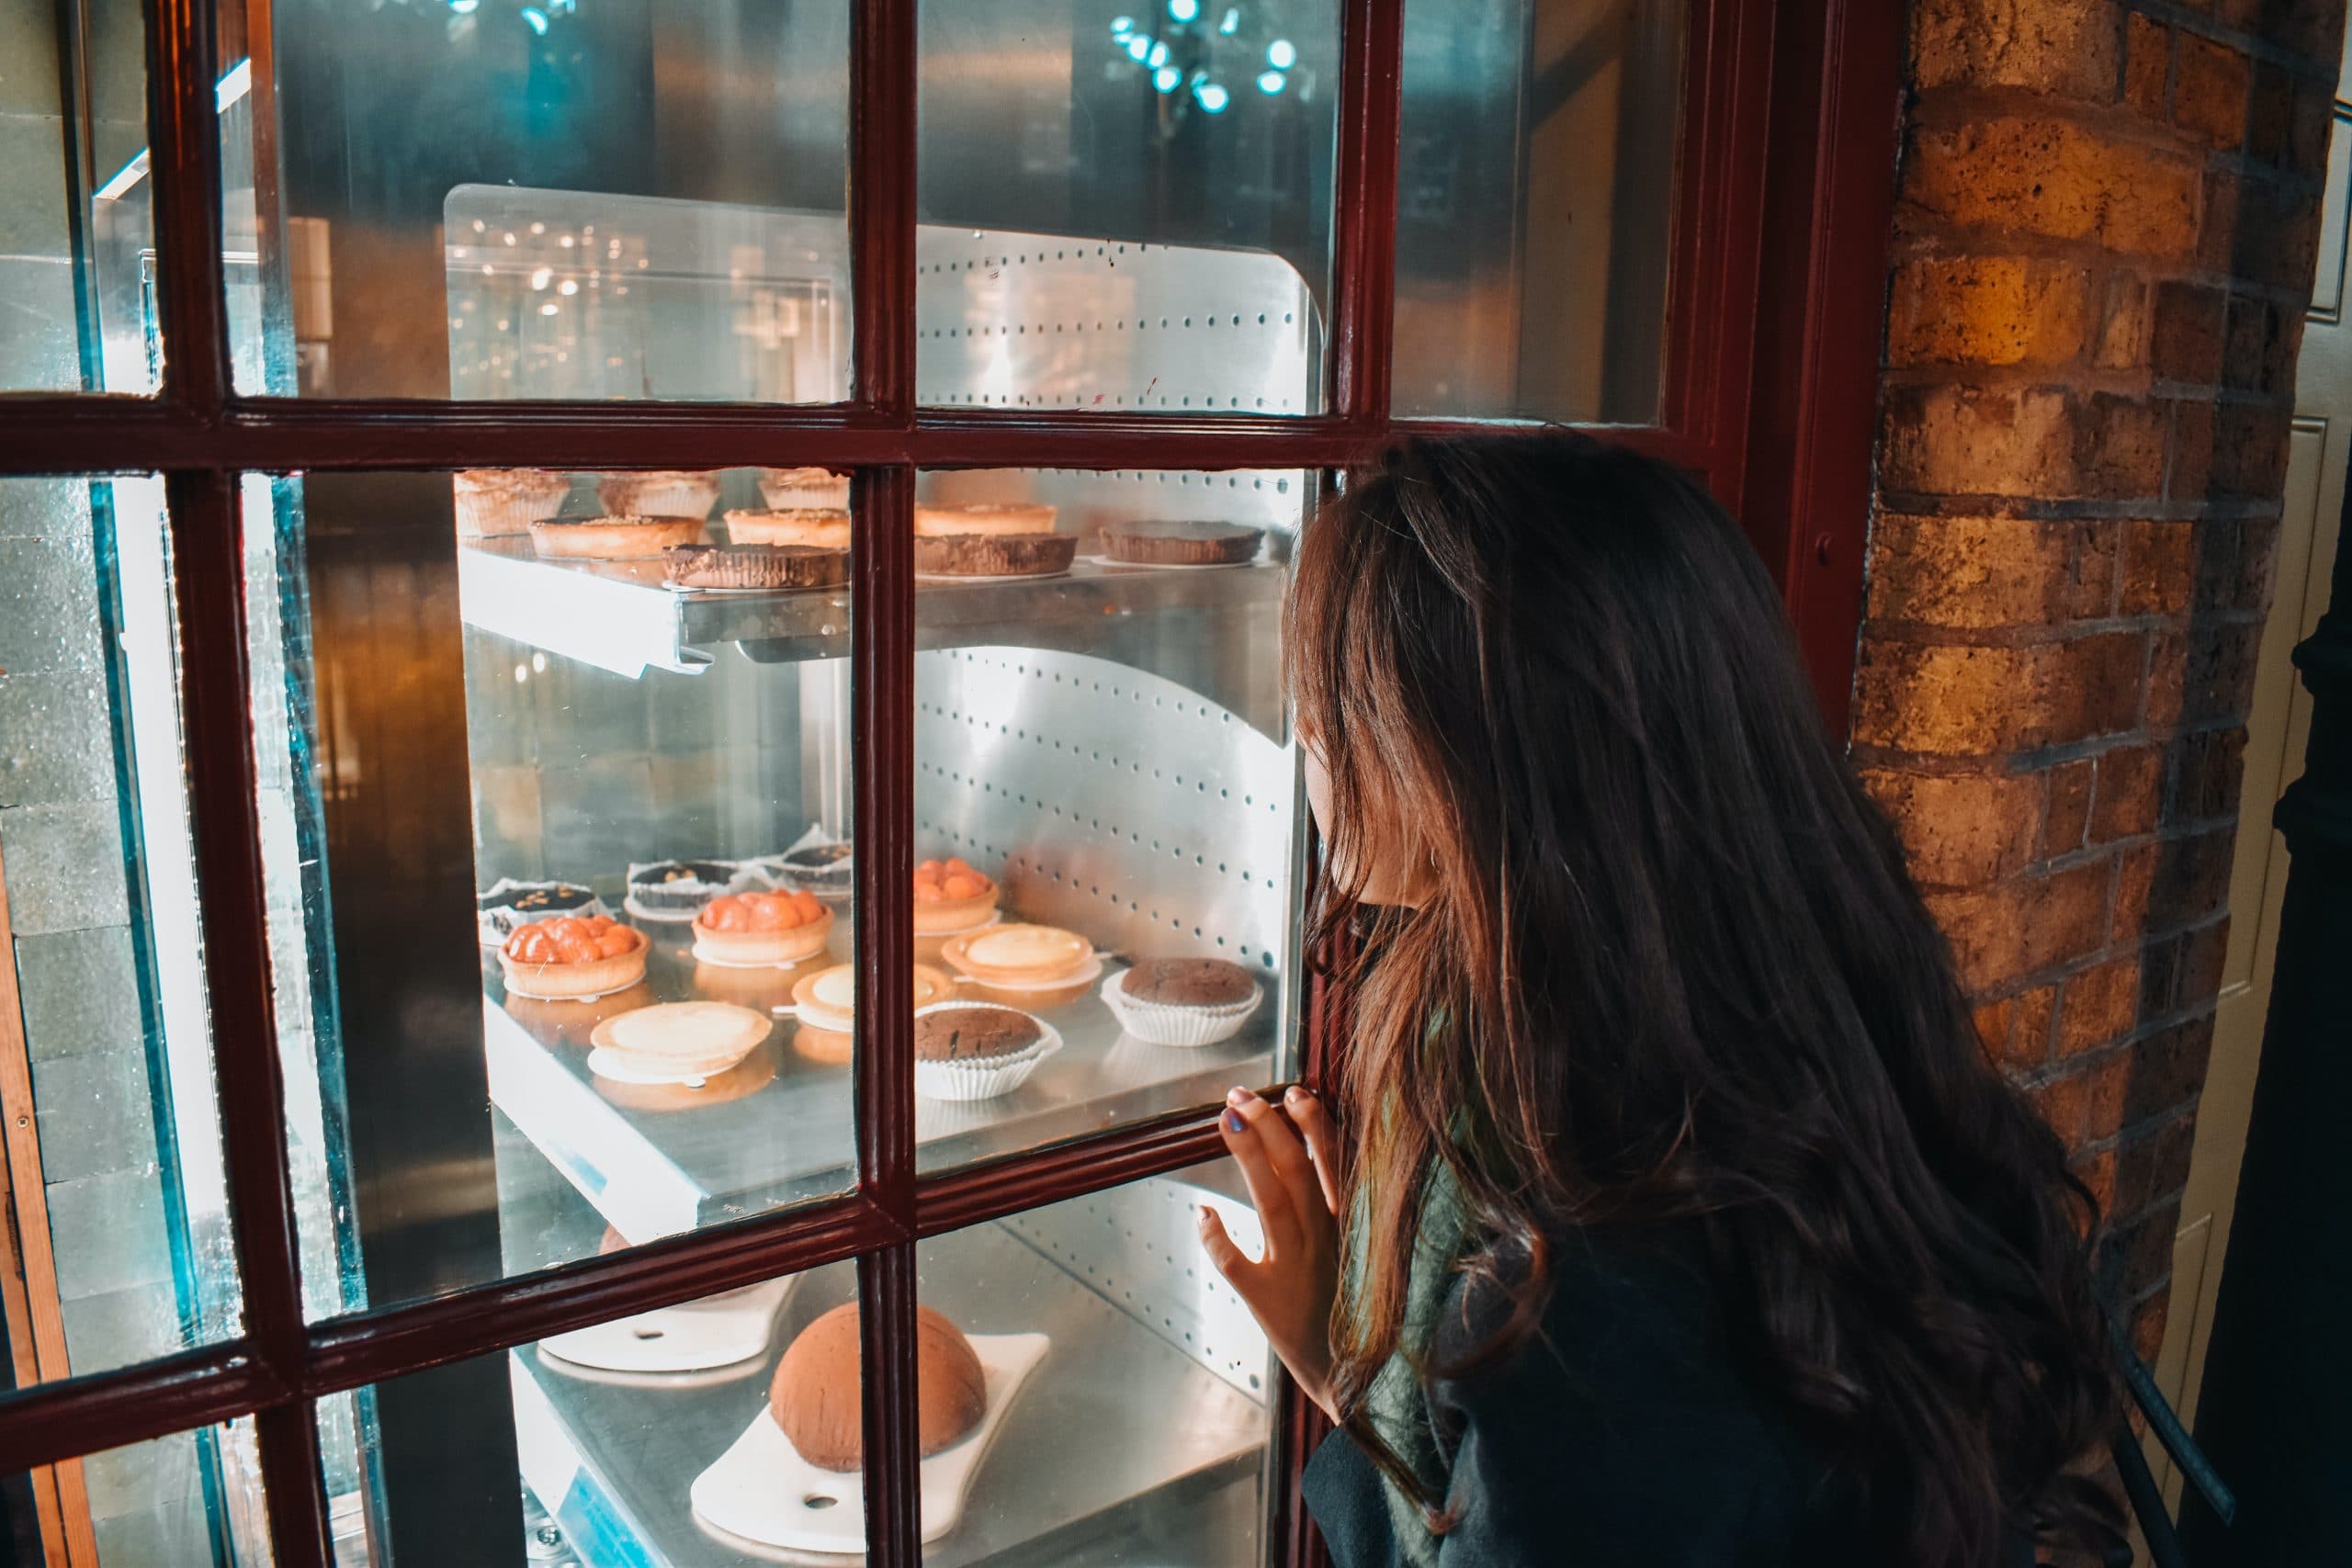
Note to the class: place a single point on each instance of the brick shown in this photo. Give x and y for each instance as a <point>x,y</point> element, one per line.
<point>2056,178</point>
<point>2184,343</point>
<point>2151,1165</point>
<point>1989,310</point>
<point>1959,830</point>
<point>2067,816</point>
<point>2147,67</point>
<point>2207,768</point>
<point>2084,1102</point>
<point>2173,882</point>
<point>2211,83</point>
<point>2120,342</point>
<point>2201,673</point>
<point>2005,932</point>
<point>2159,568</point>
<point>1974,701</point>
<point>2129,795</point>
<point>2191,471</point>
<point>2185,971</point>
<point>2168,1069</point>
<point>2098,1006</point>
<point>2042,442</point>
<point>2307,133</point>
<point>1970,441</point>
<point>2059,48</point>
<point>2272,117</point>
<point>2237,565</point>
<point>1989,571</point>
<point>2258,346</point>
<point>2119,447</point>
<point>2015,1029</point>
<point>2259,230</point>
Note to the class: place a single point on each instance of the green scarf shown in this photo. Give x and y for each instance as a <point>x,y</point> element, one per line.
<point>1394,1406</point>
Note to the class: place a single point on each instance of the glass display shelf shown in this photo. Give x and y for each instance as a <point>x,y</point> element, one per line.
<point>1142,1427</point>
<point>661,1160</point>
<point>617,616</point>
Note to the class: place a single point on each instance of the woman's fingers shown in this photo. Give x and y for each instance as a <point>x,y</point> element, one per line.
<point>1313,1124</point>
<point>1286,1154</point>
<point>1230,1260</point>
<point>1266,1188</point>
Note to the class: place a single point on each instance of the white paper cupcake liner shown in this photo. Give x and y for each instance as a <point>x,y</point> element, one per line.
<point>486,515</point>
<point>987,1077</point>
<point>1165,1023</point>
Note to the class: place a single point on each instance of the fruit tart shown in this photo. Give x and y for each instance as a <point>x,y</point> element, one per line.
<point>573,957</point>
<point>761,929</point>
<point>951,896</point>
<point>1037,966</point>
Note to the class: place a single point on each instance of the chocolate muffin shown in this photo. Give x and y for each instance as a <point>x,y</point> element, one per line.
<point>1189,982</point>
<point>973,1034</point>
<point>814,1396</point>
<point>995,555</point>
<point>1150,542</point>
<point>753,566</point>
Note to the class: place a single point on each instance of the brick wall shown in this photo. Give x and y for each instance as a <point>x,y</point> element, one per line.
<point>2104,243</point>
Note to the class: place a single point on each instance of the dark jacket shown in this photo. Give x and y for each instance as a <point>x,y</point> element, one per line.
<point>1622,1436</point>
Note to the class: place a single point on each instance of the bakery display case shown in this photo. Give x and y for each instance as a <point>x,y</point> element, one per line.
<point>673,614</point>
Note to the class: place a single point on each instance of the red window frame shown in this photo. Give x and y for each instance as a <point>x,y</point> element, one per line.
<point>1785,177</point>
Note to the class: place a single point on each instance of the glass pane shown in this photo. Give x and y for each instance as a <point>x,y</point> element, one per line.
<point>191,1500</point>
<point>553,200</point>
<point>563,804</point>
<point>117,1224</point>
<point>73,112</point>
<point>1535,200</point>
<point>1127,1393</point>
<point>1105,797</point>
<point>1127,206</point>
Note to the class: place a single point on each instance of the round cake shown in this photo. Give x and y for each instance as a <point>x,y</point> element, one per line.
<point>753,566</point>
<point>1154,543</point>
<point>1183,1001</point>
<point>815,1395</point>
<point>825,527</point>
<point>623,536</point>
<point>673,1041</point>
<point>956,1033</point>
<point>1020,955</point>
<point>1189,982</point>
<point>995,555</point>
<point>994,519</point>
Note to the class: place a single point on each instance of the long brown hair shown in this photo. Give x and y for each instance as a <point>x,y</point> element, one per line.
<point>1670,968</point>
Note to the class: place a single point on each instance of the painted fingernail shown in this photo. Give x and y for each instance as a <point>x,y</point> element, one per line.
<point>1233,1121</point>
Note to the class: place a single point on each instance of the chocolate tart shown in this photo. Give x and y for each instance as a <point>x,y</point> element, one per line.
<point>1153,543</point>
<point>994,555</point>
<point>753,566</point>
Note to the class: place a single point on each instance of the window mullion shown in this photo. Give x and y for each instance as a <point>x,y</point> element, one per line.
<point>208,576</point>
<point>882,204</point>
<point>184,136</point>
<point>1363,312</point>
<point>886,1298</point>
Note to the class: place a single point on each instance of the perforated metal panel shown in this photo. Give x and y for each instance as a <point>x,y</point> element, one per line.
<point>1140,1248</point>
<point>1035,321</point>
<point>1117,801</point>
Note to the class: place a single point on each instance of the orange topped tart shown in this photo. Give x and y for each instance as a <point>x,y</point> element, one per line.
<point>951,896</point>
<point>571,956</point>
<point>761,928</point>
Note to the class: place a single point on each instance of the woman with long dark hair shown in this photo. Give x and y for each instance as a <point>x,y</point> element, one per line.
<point>1684,1221</point>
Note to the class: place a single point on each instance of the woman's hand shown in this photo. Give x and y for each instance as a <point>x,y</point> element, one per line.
<point>1295,1186</point>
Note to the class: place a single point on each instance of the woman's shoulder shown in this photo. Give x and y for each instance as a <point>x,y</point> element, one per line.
<point>1626,1404</point>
